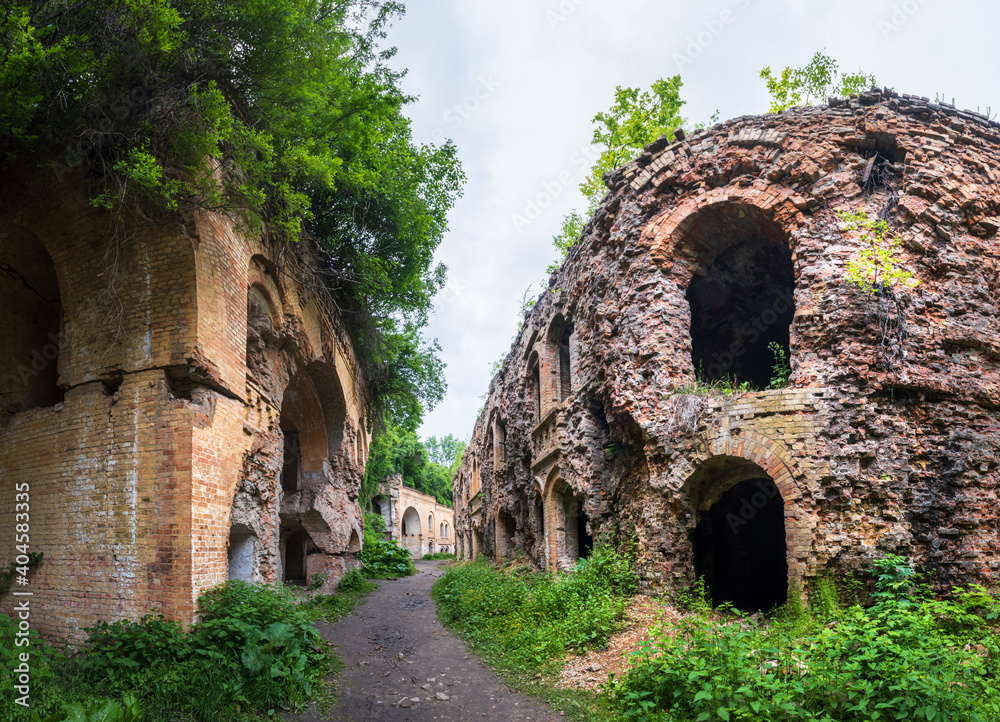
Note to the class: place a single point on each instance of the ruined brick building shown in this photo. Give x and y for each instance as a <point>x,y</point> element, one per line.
<point>183,402</point>
<point>417,521</point>
<point>705,251</point>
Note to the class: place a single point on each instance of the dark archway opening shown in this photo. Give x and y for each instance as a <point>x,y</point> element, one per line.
<point>291,466</point>
<point>741,295</point>
<point>585,542</point>
<point>739,547</point>
<point>376,508</point>
<point>295,557</point>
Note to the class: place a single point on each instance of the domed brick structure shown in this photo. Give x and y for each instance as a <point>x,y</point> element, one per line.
<point>709,254</point>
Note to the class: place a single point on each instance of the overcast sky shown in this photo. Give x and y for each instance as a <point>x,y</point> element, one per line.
<point>516,83</point>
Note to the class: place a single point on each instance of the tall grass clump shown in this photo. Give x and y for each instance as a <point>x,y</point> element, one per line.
<point>907,656</point>
<point>521,619</point>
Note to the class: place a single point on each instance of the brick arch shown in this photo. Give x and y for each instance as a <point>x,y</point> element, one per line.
<point>770,457</point>
<point>665,235</point>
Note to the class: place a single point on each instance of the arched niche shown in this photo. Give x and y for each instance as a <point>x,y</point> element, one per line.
<point>740,293</point>
<point>242,545</point>
<point>559,338</point>
<point>330,393</point>
<point>30,325</point>
<point>303,422</point>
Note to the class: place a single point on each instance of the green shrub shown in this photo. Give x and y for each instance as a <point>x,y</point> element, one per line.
<point>438,555</point>
<point>374,527</point>
<point>522,619</point>
<point>252,652</point>
<point>354,581</point>
<point>907,657</point>
<point>386,560</point>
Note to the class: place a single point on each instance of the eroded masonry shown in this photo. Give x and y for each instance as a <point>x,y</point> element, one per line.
<point>182,400</point>
<point>707,254</point>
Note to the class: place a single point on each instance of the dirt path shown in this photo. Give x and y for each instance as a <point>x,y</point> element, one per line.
<point>402,664</point>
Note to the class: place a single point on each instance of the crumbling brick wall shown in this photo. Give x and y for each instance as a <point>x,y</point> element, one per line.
<point>705,248</point>
<point>144,404</point>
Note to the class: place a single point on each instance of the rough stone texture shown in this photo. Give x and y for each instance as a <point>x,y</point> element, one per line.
<point>883,442</point>
<point>416,520</point>
<point>150,417</point>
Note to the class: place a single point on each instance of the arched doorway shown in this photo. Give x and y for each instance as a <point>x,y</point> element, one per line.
<point>506,528</point>
<point>294,567</point>
<point>739,539</point>
<point>573,540</point>
<point>411,530</point>
<point>741,294</point>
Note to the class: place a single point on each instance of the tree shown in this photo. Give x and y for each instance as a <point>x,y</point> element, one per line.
<point>635,119</point>
<point>812,83</point>
<point>446,450</point>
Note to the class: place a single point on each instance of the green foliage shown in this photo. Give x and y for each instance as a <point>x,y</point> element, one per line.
<point>522,620</point>
<point>569,233</point>
<point>100,711</point>
<point>354,581</point>
<point>781,369</point>
<point>316,581</point>
<point>445,452</point>
<point>397,450</point>
<point>637,118</point>
<point>284,112</point>
<point>812,83</point>
<point>374,527</point>
<point>438,555</point>
<point>386,560</point>
<point>875,268</point>
<point>14,569</point>
<point>252,652</point>
<point>907,657</point>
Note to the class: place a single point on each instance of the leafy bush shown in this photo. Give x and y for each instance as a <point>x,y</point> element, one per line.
<point>523,619</point>
<point>386,560</point>
<point>354,581</point>
<point>254,651</point>
<point>907,657</point>
<point>438,555</point>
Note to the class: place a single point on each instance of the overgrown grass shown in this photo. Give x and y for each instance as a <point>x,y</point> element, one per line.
<point>253,652</point>
<point>438,555</point>
<point>523,622</point>
<point>907,656</point>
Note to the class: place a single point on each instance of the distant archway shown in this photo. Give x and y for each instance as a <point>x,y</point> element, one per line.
<point>412,531</point>
<point>572,537</point>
